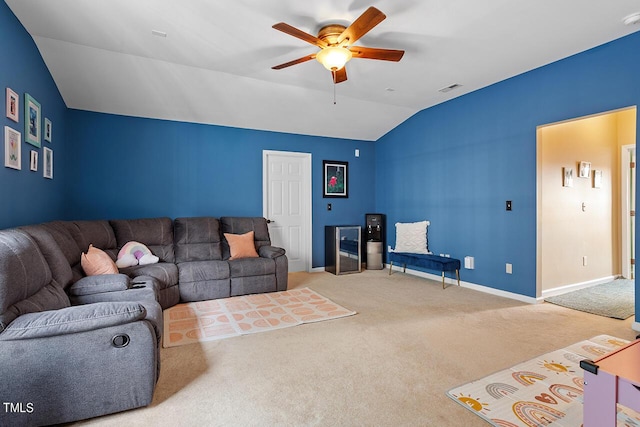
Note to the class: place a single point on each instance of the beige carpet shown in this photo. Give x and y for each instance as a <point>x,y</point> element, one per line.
<point>390,365</point>
<point>192,322</point>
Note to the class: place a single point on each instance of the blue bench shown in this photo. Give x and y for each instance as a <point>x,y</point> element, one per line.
<point>428,262</point>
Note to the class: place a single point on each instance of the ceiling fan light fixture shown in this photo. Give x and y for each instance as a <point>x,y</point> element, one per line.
<point>333,58</point>
<point>632,19</point>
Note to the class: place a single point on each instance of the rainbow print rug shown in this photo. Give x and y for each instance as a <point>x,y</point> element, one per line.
<point>545,391</point>
<point>230,317</point>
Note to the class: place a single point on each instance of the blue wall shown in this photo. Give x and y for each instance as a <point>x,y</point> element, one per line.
<point>28,197</point>
<point>457,163</point>
<point>128,167</point>
<point>454,164</point>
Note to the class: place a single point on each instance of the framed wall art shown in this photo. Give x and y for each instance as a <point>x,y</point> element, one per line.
<point>567,177</point>
<point>585,170</point>
<point>47,163</point>
<point>47,130</point>
<point>12,149</point>
<point>32,121</point>
<point>597,178</point>
<point>13,105</point>
<point>335,182</point>
<point>34,161</point>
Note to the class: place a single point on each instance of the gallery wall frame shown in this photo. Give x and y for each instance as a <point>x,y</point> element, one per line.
<point>12,148</point>
<point>32,121</point>
<point>597,178</point>
<point>567,177</point>
<point>13,105</point>
<point>47,130</point>
<point>584,170</point>
<point>34,161</point>
<point>47,163</point>
<point>335,178</point>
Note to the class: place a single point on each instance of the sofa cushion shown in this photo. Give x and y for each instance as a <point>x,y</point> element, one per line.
<point>58,264</point>
<point>251,267</point>
<point>196,271</point>
<point>241,245</point>
<point>197,239</point>
<point>96,261</point>
<point>241,225</point>
<point>26,284</point>
<point>97,233</point>
<point>155,233</point>
<point>73,320</point>
<point>60,232</point>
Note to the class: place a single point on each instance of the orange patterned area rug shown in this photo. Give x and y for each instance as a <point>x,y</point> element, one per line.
<point>545,391</point>
<point>230,317</point>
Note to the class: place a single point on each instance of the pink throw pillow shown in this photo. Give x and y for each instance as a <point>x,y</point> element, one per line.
<point>96,262</point>
<point>241,245</point>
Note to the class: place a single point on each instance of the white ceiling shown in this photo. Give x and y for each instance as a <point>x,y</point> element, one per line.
<point>214,66</point>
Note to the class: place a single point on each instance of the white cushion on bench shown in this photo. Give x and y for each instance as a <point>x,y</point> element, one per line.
<point>411,237</point>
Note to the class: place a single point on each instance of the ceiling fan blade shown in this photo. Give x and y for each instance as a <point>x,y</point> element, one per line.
<point>294,62</point>
<point>361,26</point>
<point>293,31</point>
<point>340,75</point>
<point>376,53</point>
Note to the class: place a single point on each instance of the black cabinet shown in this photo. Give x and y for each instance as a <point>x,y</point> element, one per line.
<point>342,249</point>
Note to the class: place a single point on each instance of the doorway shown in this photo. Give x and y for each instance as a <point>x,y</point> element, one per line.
<point>286,203</point>
<point>581,240</point>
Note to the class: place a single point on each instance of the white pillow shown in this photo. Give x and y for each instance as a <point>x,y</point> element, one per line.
<point>412,237</point>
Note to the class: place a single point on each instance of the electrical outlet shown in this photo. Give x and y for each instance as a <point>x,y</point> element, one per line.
<point>509,268</point>
<point>469,262</point>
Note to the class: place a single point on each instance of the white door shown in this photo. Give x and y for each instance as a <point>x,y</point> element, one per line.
<point>286,190</point>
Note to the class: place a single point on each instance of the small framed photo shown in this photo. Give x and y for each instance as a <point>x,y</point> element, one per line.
<point>12,148</point>
<point>47,163</point>
<point>13,105</point>
<point>335,179</point>
<point>34,161</point>
<point>47,130</point>
<point>597,178</point>
<point>585,170</point>
<point>32,121</point>
<point>567,177</point>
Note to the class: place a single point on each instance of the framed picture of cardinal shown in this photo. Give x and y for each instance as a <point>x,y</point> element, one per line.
<point>335,178</point>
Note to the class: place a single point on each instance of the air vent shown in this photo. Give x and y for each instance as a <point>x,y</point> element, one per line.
<point>450,88</point>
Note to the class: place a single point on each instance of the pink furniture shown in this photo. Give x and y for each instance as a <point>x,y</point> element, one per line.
<point>611,379</point>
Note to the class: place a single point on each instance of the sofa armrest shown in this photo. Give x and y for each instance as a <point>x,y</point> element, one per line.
<point>270,252</point>
<point>100,284</point>
<point>73,320</point>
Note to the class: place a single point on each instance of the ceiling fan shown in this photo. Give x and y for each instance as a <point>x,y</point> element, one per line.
<point>336,43</point>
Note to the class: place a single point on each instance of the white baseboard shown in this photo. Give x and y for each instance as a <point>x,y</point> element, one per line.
<point>575,286</point>
<point>316,270</point>
<point>475,287</point>
<point>636,326</point>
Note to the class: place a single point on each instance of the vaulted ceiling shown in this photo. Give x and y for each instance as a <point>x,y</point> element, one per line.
<point>214,64</point>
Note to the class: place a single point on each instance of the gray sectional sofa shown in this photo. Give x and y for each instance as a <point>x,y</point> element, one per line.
<point>73,346</point>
